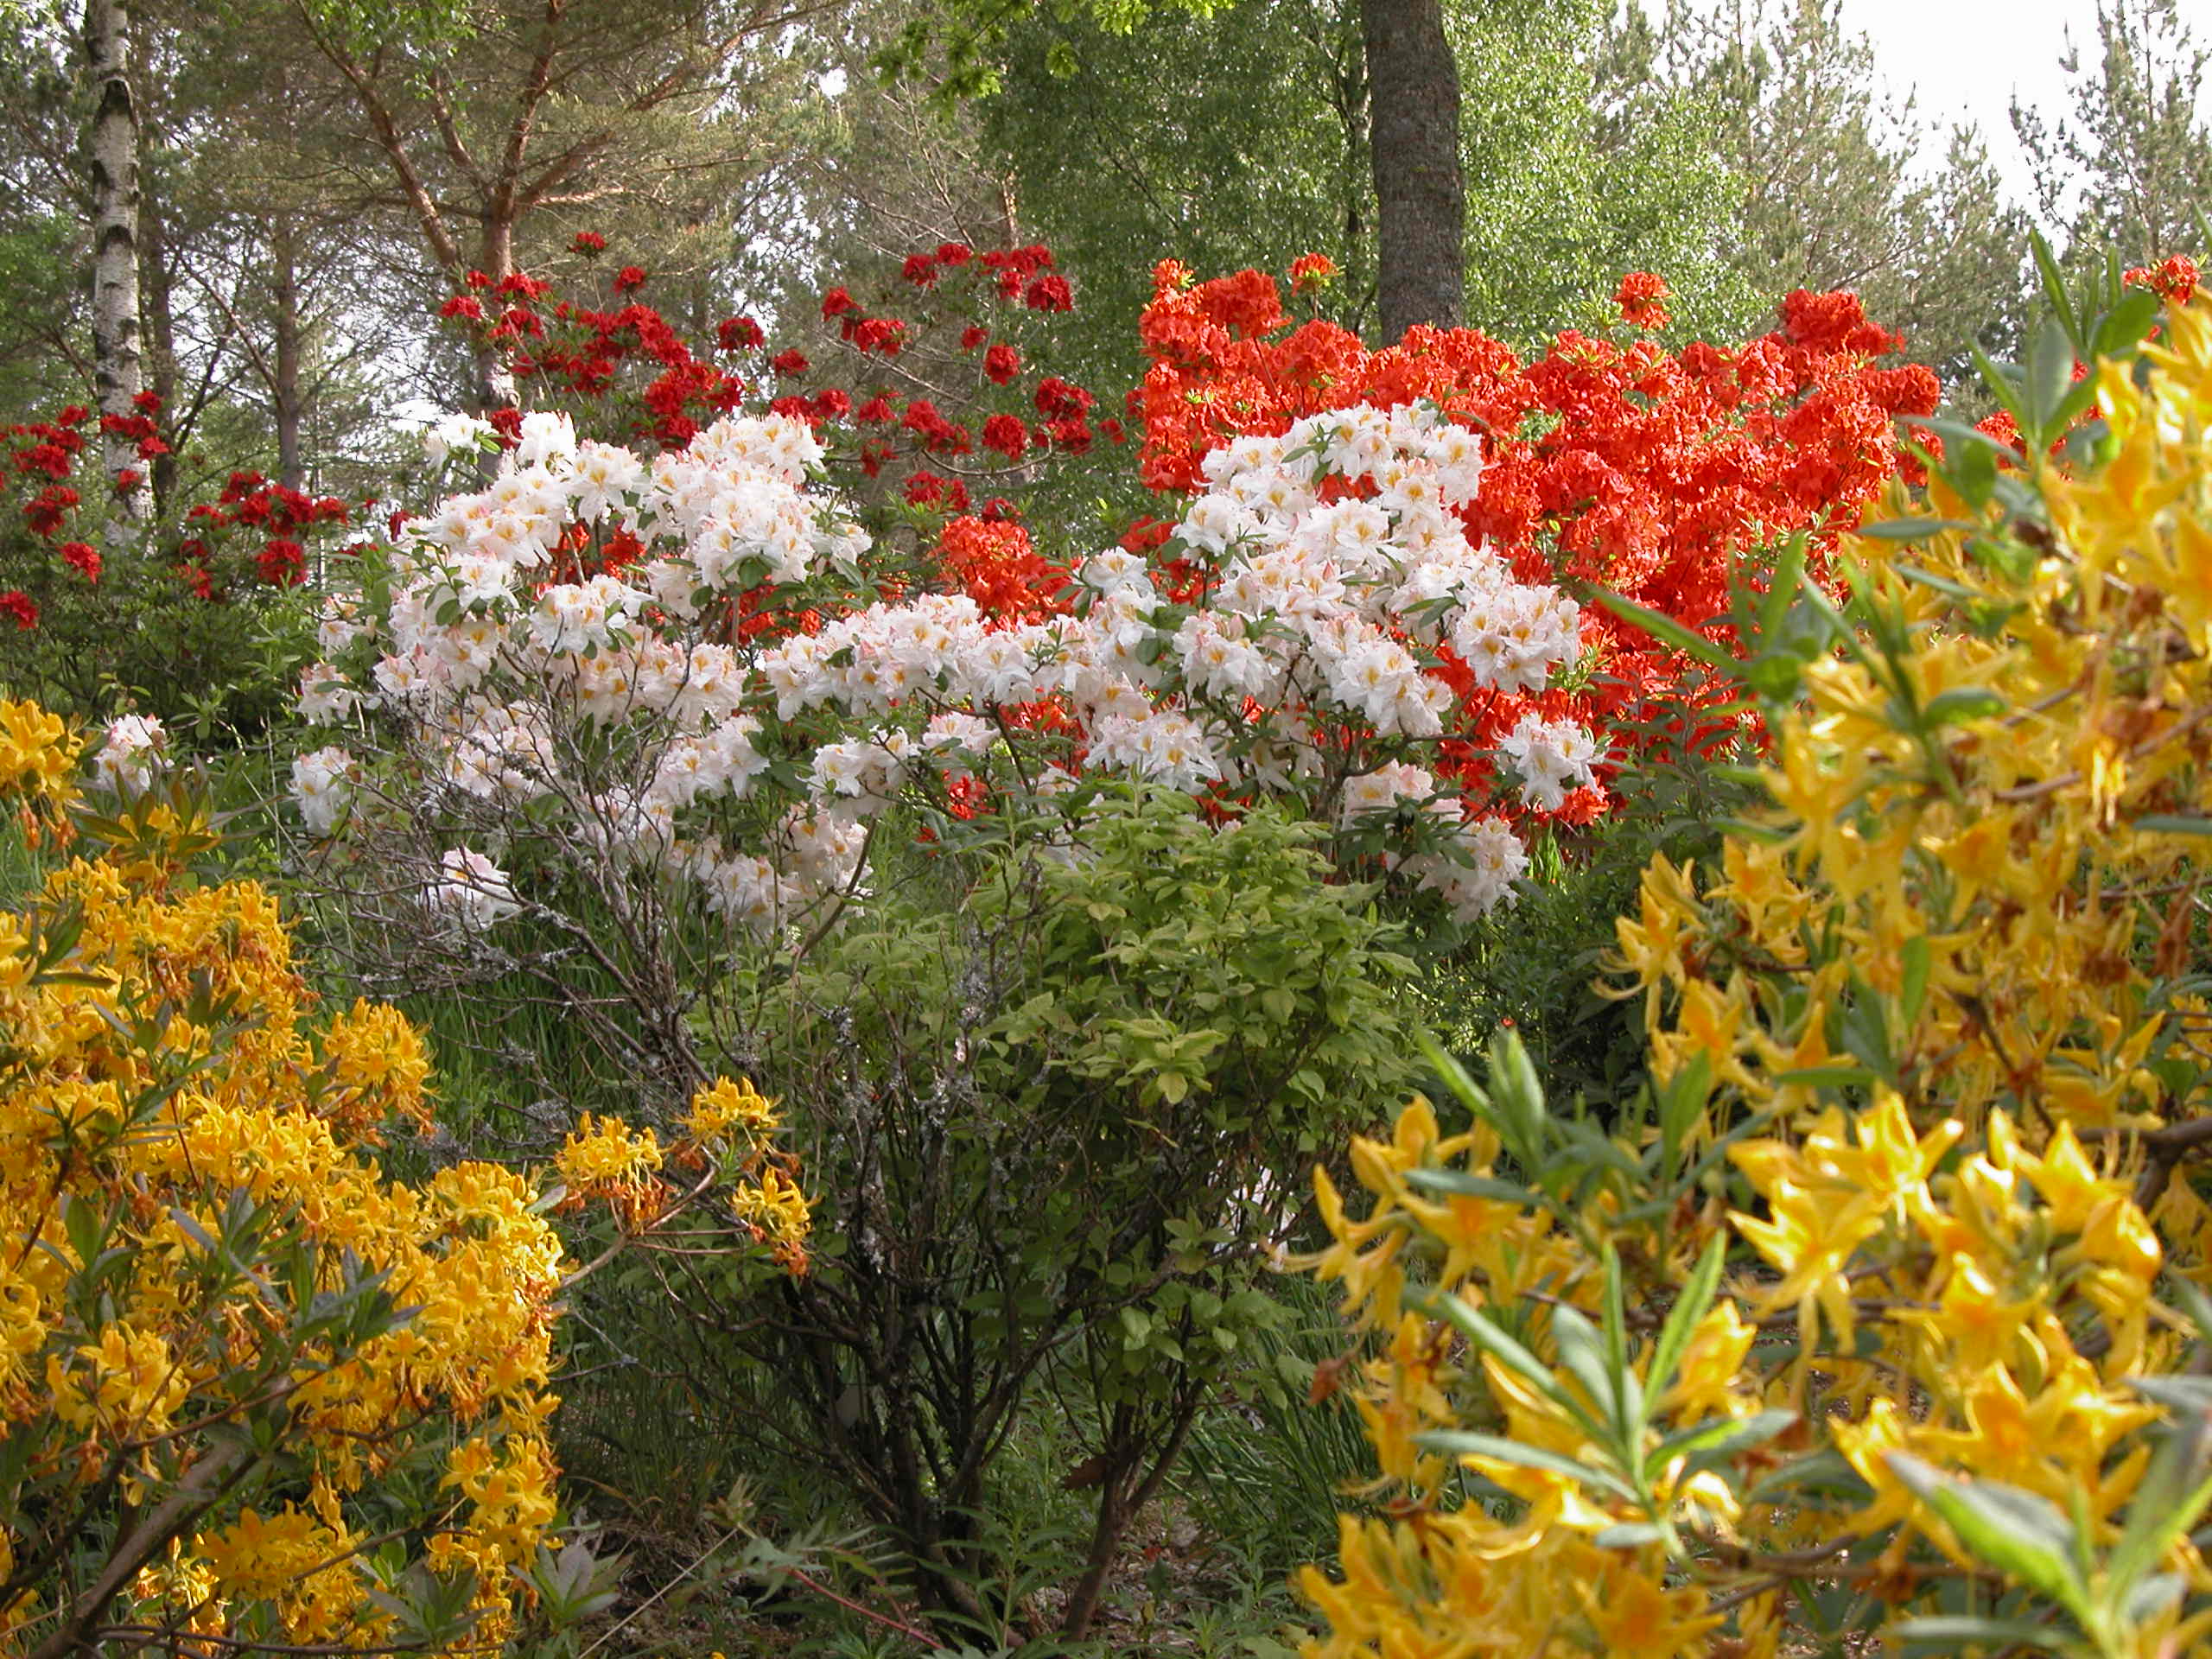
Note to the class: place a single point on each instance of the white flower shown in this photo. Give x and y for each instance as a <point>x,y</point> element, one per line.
<point>322,785</point>
<point>473,890</point>
<point>1552,757</point>
<point>136,748</point>
<point>451,435</point>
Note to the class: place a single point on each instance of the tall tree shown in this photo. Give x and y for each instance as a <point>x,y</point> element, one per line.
<point>2130,167</point>
<point>1833,190</point>
<point>112,151</point>
<point>488,118</point>
<point>1420,191</point>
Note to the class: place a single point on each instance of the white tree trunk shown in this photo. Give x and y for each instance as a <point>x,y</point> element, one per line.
<point>114,152</point>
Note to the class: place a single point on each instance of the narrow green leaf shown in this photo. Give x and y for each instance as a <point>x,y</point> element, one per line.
<point>1459,1184</point>
<point>1918,958</point>
<point>1689,1307</point>
<point>1493,1341</point>
<point>1666,630</point>
<point>1456,1443</point>
<point>1582,1355</point>
<point>2018,1533</point>
<point>1965,703</point>
<point>1955,1632</point>
<point>2171,824</point>
<point>2054,287</point>
<point>1629,1534</point>
<point>1708,1445</point>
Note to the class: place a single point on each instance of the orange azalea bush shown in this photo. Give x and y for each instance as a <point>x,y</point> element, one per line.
<point>1882,1317</point>
<point>254,1390</point>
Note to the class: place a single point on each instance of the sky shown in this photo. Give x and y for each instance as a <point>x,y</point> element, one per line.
<point>1966,61</point>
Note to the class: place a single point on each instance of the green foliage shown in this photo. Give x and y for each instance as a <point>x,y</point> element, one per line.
<point>1053,1114</point>
<point>142,637</point>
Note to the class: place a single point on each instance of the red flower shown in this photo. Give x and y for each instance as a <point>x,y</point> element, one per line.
<point>954,253</point>
<point>588,242</point>
<point>884,335</point>
<point>1059,399</point>
<point>1001,363</point>
<point>282,564</point>
<point>16,603</point>
<point>739,334</point>
<point>2173,281</point>
<point>1311,271</point>
<point>1008,435</point>
<point>875,412</point>
<point>920,269</point>
<point>1049,294</point>
<point>928,490</point>
<point>82,556</point>
<point>45,511</point>
<point>836,303</point>
<point>629,279</point>
<point>791,362</point>
<point>1641,298</point>
<point>973,335</point>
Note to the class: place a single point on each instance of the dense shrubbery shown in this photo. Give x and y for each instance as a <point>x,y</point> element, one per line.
<point>1071,903</point>
<point>257,1390</point>
<point>1884,1317</point>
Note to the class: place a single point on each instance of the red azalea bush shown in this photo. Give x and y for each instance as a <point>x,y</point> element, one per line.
<point>925,390</point>
<point>1660,475</point>
<point>177,614</point>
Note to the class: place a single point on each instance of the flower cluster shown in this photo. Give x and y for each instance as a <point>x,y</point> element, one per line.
<point>660,649</point>
<point>223,1327</point>
<point>1656,473</point>
<point>1866,1289</point>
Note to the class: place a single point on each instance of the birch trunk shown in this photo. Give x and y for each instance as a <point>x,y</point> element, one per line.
<point>114,156</point>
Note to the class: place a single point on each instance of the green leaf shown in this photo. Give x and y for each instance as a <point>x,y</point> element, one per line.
<point>1682,1319</point>
<point>1828,1077</point>
<point>2051,371</point>
<point>1918,957</point>
<point>1667,631</point>
<point>1912,530</point>
<point>1955,1632</point>
<point>1582,1355</point>
<point>1964,703</point>
<point>1493,1341</point>
<point>1457,1443</point>
<point>2018,1533</point>
<point>2171,824</point>
<point>2054,288</point>
<point>1629,1534</point>
<point>1459,1184</point>
<point>1453,1075</point>
<point>1708,1445</point>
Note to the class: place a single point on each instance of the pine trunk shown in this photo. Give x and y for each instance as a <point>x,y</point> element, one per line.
<point>114,156</point>
<point>285,394</point>
<point>1419,191</point>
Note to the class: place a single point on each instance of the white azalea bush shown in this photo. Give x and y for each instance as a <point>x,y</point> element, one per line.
<point>686,670</point>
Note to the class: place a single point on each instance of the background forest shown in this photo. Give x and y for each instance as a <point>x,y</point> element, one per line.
<point>1356,828</point>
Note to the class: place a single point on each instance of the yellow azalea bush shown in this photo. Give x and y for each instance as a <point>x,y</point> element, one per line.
<point>1880,1316</point>
<point>255,1392</point>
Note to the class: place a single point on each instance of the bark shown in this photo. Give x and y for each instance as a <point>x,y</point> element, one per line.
<point>1419,191</point>
<point>113,153</point>
<point>284,388</point>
